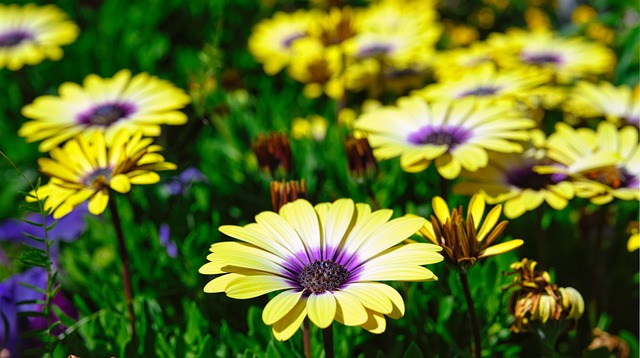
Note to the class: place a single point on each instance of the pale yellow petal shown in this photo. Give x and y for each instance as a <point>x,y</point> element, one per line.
<point>322,308</point>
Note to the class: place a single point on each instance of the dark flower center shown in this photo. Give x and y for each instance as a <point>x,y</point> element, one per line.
<point>450,136</point>
<point>320,276</point>
<point>611,176</point>
<point>98,178</point>
<point>526,178</point>
<point>106,114</point>
<point>539,59</point>
<point>13,38</point>
<point>480,91</point>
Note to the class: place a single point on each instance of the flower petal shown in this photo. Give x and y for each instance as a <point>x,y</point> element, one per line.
<point>280,306</point>
<point>322,309</point>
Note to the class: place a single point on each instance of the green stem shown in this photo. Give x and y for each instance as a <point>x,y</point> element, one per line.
<point>306,338</point>
<point>372,196</point>
<point>126,272</point>
<point>444,184</point>
<point>475,327</point>
<point>327,337</point>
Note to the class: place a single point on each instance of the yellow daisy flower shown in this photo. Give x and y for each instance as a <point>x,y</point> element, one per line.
<point>396,32</point>
<point>567,58</point>
<point>450,64</point>
<point>319,68</point>
<point>489,83</point>
<point>270,41</point>
<point>327,260</point>
<point>141,102</point>
<point>604,164</point>
<point>465,241</point>
<point>454,134</point>
<point>29,34</point>
<point>620,105</point>
<point>85,168</point>
<point>512,180</point>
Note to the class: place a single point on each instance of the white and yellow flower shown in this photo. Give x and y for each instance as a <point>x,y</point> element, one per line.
<point>141,102</point>
<point>327,260</point>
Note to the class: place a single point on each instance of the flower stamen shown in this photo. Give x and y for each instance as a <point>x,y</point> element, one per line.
<point>320,276</point>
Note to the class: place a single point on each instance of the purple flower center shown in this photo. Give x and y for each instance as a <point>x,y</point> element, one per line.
<point>320,276</point>
<point>288,41</point>
<point>450,136</point>
<point>106,114</point>
<point>374,50</point>
<point>98,178</point>
<point>14,38</point>
<point>480,91</point>
<point>540,59</point>
<point>525,177</point>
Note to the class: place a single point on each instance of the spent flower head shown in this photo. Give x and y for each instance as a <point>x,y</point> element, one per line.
<point>538,301</point>
<point>463,240</point>
<point>273,152</point>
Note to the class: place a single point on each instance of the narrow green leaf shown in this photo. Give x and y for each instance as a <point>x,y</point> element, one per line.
<point>32,223</point>
<point>31,314</point>
<point>64,318</point>
<point>36,351</point>
<point>33,237</point>
<point>33,263</point>
<point>35,288</point>
<point>41,334</point>
<point>413,351</point>
<point>53,224</point>
<point>31,302</point>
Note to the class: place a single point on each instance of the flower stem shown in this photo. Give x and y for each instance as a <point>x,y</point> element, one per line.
<point>327,337</point>
<point>306,338</point>
<point>472,312</point>
<point>126,272</point>
<point>444,184</point>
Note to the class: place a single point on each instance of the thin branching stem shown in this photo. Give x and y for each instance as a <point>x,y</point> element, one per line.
<point>46,309</point>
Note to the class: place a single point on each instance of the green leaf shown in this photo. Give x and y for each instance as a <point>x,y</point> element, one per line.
<point>66,320</point>
<point>31,314</point>
<point>31,302</point>
<point>34,238</point>
<point>413,351</point>
<point>35,288</point>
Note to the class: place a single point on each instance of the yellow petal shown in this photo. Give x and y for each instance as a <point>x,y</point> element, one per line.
<point>322,309</point>
<point>288,326</point>
<point>254,286</point>
<point>98,203</point>
<point>376,323</point>
<point>489,222</point>
<point>120,183</point>
<point>476,208</point>
<point>350,311</point>
<point>440,209</point>
<point>370,296</point>
<point>219,284</point>
<point>501,248</point>
<point>280,306</point>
